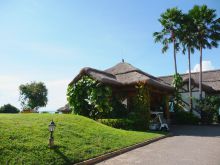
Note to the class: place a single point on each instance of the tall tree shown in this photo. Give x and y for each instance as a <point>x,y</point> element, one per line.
<point>33,95</point>
<point>170,21</point>
<point>188,40</point>
<point>207,32</point>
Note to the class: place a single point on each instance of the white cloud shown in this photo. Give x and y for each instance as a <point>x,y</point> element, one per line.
<point>10,93</point>
<point>56,93</point>
<point>206,65</point>
<point>9,89</point>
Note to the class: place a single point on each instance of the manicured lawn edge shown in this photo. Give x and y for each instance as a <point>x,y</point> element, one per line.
<point>121,151</point>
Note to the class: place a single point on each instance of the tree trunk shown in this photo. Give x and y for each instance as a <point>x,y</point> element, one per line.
<point>174,54</point>
<point>200,75</point>
<point>190,89</point>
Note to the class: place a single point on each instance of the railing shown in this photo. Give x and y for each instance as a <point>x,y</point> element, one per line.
<point>186,105</point>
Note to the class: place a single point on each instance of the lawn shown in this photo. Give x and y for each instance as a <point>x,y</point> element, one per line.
<point>24,139</point>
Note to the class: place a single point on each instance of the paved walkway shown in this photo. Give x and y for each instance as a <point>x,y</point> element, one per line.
<point>191,145</point>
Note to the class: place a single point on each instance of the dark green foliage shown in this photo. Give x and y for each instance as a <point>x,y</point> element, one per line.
<point>182,117</point>
<point>141,108</point>
<point>218,118</point>
<point>44,112</point>
<point>207,31</point>
<point>177,84</point>
<point>177,81</point>
<point>126,124</point>
<point>187,36</point>
<point>138,118</point>
<point>90,98</point>
<point>170,21</point>
<point>24,139</point>
<point>77,95</point>
<point>119,109</point>
<point>209,106</point>
<point>8,108</point>
<point>197,29</point>
<point>33,95</point>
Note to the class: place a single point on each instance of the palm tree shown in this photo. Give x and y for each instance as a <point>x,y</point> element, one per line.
<point>187,39</point>
<point>207,32</point>
<point>170,22</point>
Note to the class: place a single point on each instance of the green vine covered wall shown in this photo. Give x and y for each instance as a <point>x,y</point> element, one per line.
<point>141,107</point>
<point>90,98</point>
<point>93,99</point>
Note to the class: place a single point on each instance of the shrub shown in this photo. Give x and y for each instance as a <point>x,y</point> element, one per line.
<point>125,123</point>
<point>118,123</point>
<point>141,124</point>
<point>8,108</point>
<point>209,107</point>
<point>44,112</point>
<point>182,117</point>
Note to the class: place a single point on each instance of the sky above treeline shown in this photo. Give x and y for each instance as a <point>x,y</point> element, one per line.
<point>50,41</point>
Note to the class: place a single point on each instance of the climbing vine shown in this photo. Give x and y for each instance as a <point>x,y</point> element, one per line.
<point>141,107</point>
<point>89,98</point>
<point>177,84</point>
<point>177,81</point>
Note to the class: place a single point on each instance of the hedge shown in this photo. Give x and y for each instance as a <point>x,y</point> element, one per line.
<point>182,117</point>
<point>124,123</point>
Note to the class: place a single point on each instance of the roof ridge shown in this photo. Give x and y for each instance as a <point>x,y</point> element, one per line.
<point>112,76</point>
<point>96,70</point>
<point>125,72</point>
<point>211,80</point>
<point>215,70</point>
<point>135,69</point>
<point>139,71</point>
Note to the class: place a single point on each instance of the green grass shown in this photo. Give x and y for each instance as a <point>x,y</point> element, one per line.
<point>24,139</point>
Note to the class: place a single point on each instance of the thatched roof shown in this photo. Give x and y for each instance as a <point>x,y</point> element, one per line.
<point>98,75</point>
<point>123,74</point>
<point>210,83</point>
<point>64,109</point>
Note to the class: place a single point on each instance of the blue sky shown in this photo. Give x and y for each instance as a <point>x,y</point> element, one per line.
<point>52,40</point>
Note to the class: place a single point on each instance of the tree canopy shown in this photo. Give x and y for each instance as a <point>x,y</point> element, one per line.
<point>171,22</point>
<point>206,32</point>
<point>8,108</point>
<point>198,29</point>
<point>33,95</point>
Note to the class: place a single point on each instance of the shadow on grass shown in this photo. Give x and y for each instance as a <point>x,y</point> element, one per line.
<point>60,153</point>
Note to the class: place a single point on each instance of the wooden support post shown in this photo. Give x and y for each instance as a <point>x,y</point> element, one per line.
<point>167,109</point>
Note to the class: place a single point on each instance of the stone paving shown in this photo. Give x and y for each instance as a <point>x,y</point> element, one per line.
<point>190,145</point>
